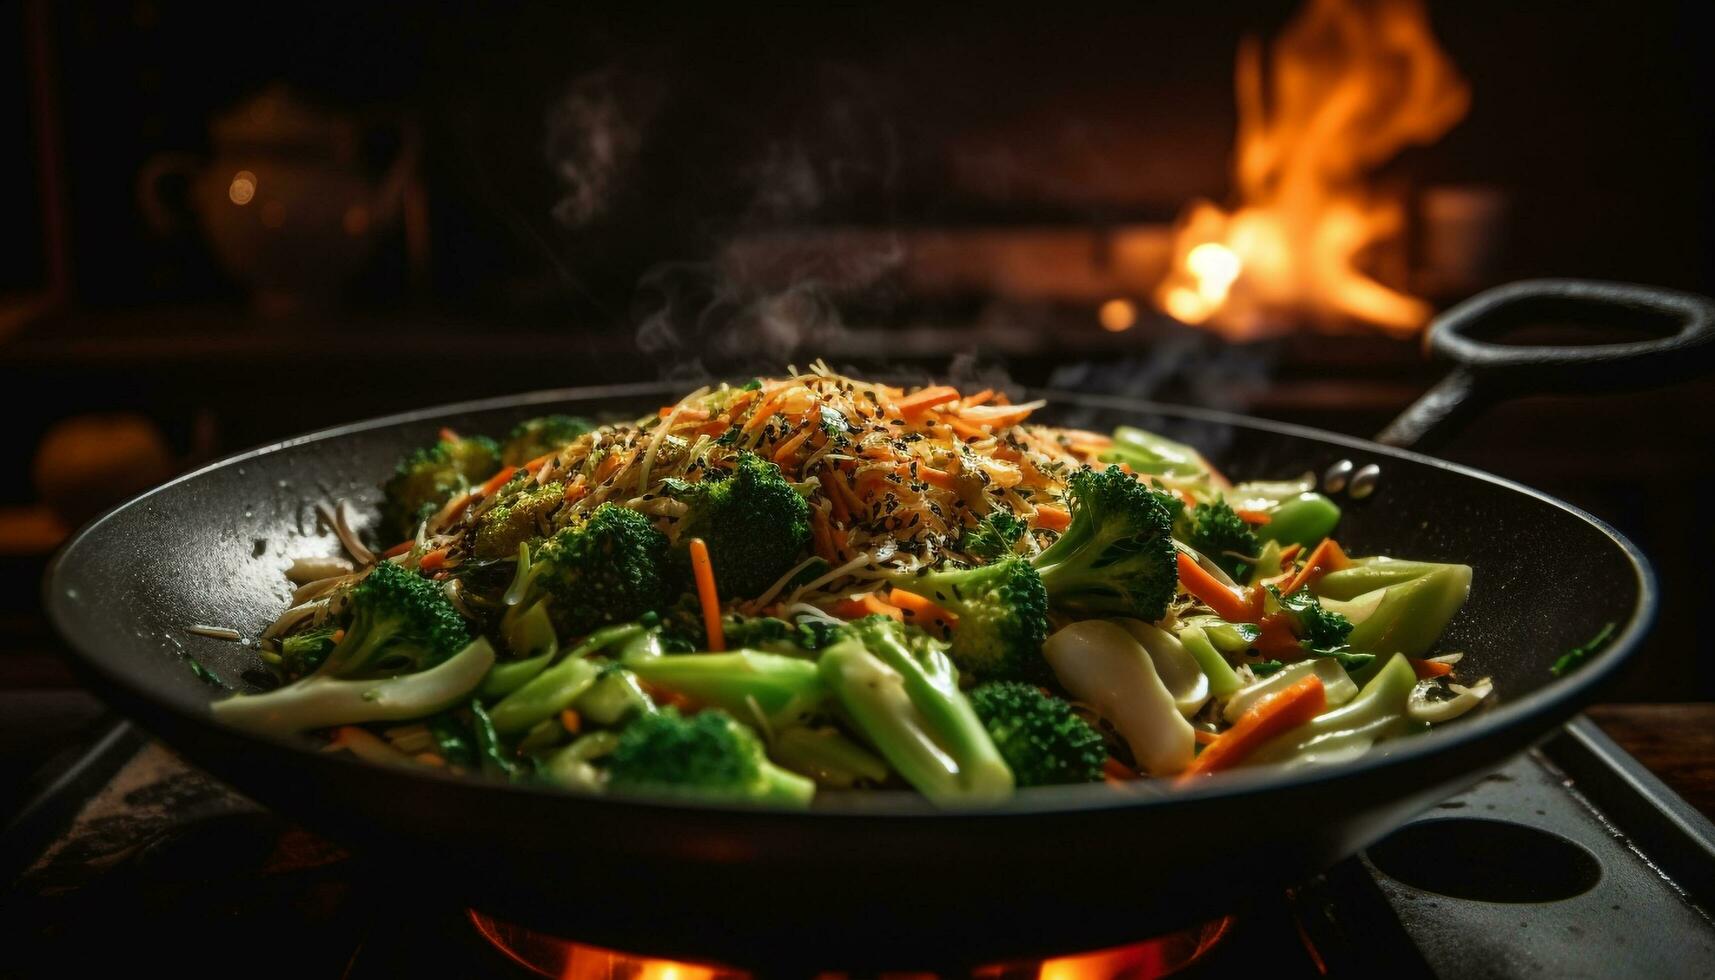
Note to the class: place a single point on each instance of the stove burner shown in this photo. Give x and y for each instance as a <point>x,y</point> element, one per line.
<point>549,956</point>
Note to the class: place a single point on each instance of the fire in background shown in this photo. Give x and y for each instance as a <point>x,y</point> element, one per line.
<point>1347,85</point>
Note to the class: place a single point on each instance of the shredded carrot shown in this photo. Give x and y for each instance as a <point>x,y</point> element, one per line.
<point>576,489</point>
<point>430,759</point>
<point>571,721</point>
<point>981,397</point>
<point>1001,419</point>
<point>919,609</point>
<point>539,462</point>
<point>1087,449</point>
<point>1327,557</point>
<point>1053,518</point>
<point>432,561</point>
<point>969,430</point>
<point>1290,552</point>
<point>819,534</point>
<point>448,435</point>
<point>611,464</point>
<point>1227,604</point>
<point>791,445</point>
<point>868,604</point>
<point>1272,715</point>
<point>764,410</point>
<point>688,414</point>
<point>1252,516</point>
<point>936,478</point>
<point>924,399</point>
<point>1429,668</point>
<point>398,549</point>
<point>1185,498</point>
<point>1203,737</point>
<point>338,635</point>
<point>498,480</point>
<point>704,573</point>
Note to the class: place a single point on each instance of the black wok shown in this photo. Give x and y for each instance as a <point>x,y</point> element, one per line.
<point>886,880</point>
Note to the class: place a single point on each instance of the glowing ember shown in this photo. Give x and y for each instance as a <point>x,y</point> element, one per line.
<point>1350,83</point>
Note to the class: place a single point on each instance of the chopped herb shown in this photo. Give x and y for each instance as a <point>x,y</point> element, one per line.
<point>1576,657</point>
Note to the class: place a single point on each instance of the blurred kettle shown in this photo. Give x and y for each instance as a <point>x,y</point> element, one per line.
<point>285,201</point>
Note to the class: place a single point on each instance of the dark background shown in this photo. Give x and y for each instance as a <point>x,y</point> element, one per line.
<point>578,171</point>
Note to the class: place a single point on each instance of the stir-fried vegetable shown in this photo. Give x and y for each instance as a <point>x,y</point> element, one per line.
<point>816,581</point>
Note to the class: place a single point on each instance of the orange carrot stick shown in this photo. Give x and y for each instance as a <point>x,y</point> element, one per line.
<point>398,549</point>
<point>498,480</point>
<point>704,572</point>
<point>981,397</point>
<point>1252,516</point>
<point>1203,737</point>
<point>1290,552</point>
<point>571,721</point>
<point>432,561</point>
<point>1227,604</point>
<point>868,604</point>
<point>1115,771</point>
<point>1326,558</point>
<point>448,435</point>
<point>1272,715</point>
<point>919,608</point>
<point>539,462</point>
<point>1053,518</point>
<point>791,445</point>
<point>1429,668</point>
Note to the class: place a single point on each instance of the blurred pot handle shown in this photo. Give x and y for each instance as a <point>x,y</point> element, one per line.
<point>162,216</point>
<point>1485,371</point>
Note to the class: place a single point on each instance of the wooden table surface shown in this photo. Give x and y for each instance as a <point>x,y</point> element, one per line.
<point>1674,741</point>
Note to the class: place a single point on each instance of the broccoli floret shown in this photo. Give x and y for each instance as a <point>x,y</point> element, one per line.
<point>400,621</point>
<point>706,755</point>
<point>506,525</point>
<point>612,568</point>
<point>755,524</point>
<point>1321,633</point>
<point>1041,739</point>
<point>901,691</point>
<point>1117,556</point>
<point>1003,616</point>
<point>1220,534</point>
<point>540,436</point>
<point>303,652</point>
<point>993,538</point>
<point>429,477</point>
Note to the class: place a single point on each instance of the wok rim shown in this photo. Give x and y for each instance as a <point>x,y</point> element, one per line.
<point>1558,699</point>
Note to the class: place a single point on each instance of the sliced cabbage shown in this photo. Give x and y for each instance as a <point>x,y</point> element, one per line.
<point>1101,664</point>
<point>1175,666</point>
<point>1434,711</point>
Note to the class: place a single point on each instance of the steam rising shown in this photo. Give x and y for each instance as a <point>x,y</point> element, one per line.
<point>594,131</point>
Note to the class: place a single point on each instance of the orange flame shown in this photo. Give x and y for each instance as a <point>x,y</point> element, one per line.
<point>1350,84</point>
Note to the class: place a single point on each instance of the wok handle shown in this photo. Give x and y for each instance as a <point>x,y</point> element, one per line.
<point>1681,345</point>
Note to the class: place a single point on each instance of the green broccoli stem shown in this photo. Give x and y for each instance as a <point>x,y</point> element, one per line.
<point>613,697</point>
<point>826,756</point>
<point>570,767</point>
<point>913,712</point>
<point>782,786</point>
<point>1303,520</point>
<point>506,678</point>
<point>744,682</point>
<point>1223,680</point>
<point>319,701</point>
<point>554,689</point>
<point>495,761</point>
<point>1377,712</point>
